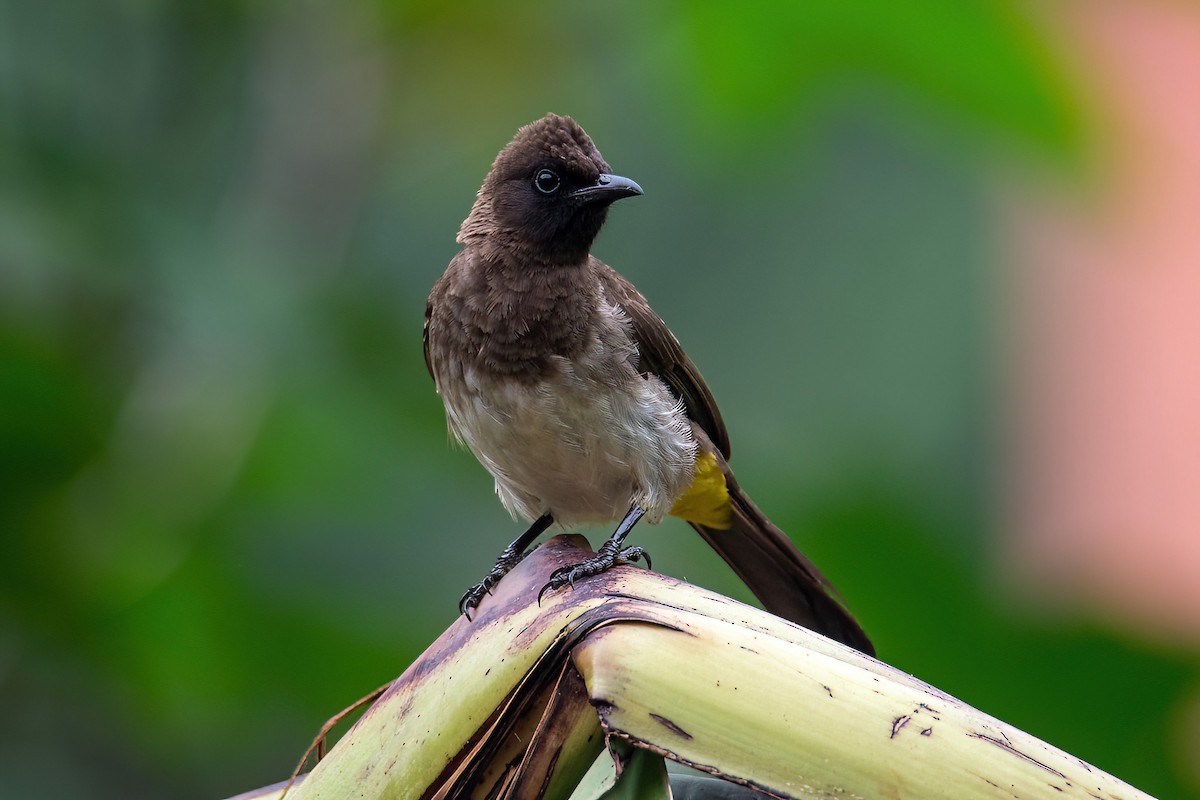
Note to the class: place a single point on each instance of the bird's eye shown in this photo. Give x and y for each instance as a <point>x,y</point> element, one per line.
<point>547,181</point>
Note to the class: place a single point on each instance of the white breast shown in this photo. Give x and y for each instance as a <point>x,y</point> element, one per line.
<point>584,443</point>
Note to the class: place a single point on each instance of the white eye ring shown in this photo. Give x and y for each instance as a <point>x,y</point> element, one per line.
<point>547,181</point>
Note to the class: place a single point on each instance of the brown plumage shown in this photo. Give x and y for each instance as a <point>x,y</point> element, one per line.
<point>570,389</point>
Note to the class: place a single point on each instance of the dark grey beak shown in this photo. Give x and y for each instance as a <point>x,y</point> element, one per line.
<point>607,189</point>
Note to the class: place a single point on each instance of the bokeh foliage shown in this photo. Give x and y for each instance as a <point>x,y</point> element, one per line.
<point>226,494</point>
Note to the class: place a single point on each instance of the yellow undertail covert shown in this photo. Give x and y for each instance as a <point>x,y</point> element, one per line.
<point>706,500</point>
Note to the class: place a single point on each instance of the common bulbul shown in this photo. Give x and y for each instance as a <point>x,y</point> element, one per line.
<point>572,392</point>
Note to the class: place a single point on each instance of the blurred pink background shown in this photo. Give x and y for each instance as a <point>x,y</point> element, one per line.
<point>1105,458</point>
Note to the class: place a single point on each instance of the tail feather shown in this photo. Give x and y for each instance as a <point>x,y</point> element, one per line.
<point>779,575</point>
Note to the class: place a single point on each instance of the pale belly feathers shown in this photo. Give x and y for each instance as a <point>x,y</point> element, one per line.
<point>573,444</point>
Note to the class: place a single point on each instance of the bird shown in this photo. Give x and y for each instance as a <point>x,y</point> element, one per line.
<point>557,374</point>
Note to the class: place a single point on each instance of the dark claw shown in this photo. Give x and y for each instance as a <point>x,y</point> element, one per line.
<point>472,596</point>
<point>605,559</point>
<point>563,576</point>
<point>509,558</point>
<point>470,599</point>
<point>631,555</point>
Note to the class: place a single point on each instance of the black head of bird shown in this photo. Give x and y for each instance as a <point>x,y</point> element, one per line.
<point>546,195</point>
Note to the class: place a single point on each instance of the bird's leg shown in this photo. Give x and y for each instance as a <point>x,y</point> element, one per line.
<point>608,556</point>
<point>509,558</point>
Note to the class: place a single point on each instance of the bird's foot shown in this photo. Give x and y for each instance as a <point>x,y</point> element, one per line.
<point>472,597</point>
<point>608,556</point>
<point>509,558</point>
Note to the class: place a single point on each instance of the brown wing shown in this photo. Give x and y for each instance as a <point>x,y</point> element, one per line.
<point>425,337</point>
<point>437,296</point>
<point>661,354</point>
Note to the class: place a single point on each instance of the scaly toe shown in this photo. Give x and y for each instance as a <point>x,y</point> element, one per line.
<point>471,597</point>
<point>631,555</point>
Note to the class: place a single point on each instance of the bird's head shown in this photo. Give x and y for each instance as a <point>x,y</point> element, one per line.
<point>547,193</point>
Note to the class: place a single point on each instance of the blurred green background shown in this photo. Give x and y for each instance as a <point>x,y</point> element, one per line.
<point>228,502</point>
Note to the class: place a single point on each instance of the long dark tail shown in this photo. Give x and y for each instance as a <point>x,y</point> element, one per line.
<point>785,582</point>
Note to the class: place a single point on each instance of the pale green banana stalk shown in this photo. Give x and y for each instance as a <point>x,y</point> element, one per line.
<point>520,701</point>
